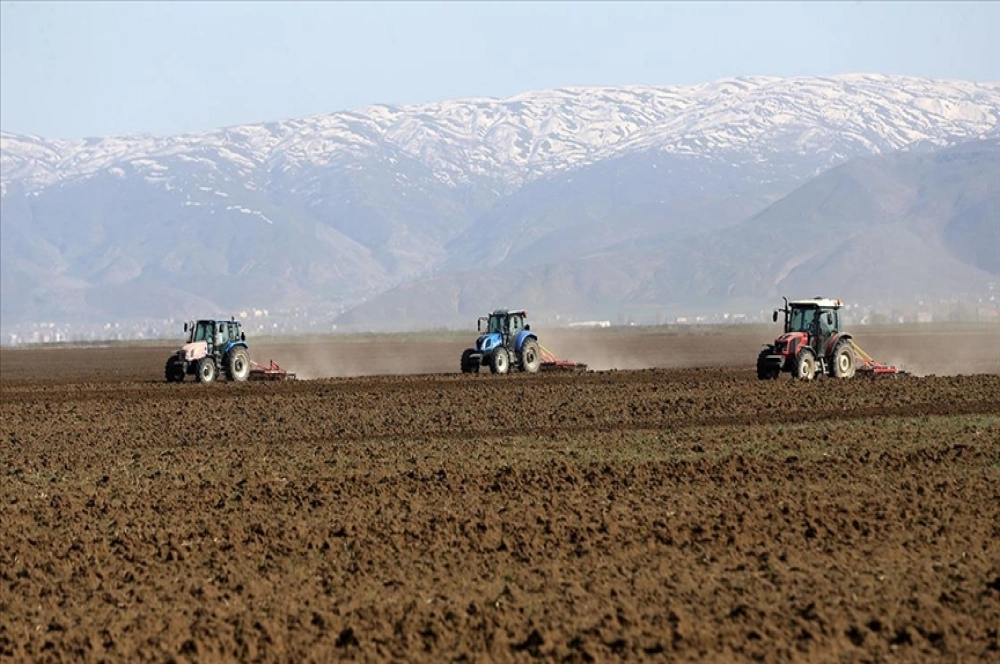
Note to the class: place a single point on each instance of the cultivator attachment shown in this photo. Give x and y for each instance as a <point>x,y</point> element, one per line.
<point>552,363</point>
<point>867,366</point>
<point>269,372</point>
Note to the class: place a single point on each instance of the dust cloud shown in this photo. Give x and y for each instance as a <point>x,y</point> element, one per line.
<point>943,350</point>
<point>382,356</point>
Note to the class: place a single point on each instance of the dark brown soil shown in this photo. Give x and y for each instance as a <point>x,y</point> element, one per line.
<point>684,514</point>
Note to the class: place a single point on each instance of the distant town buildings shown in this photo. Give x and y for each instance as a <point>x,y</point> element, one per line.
<point>259,322</point>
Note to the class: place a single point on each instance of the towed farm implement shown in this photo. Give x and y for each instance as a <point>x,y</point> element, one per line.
<point>552,363</point>
<point>270,372</point>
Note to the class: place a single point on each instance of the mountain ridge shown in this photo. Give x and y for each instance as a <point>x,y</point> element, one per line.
<point>334,210</point>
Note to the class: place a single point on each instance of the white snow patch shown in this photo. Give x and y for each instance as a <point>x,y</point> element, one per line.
<point>245,210</point>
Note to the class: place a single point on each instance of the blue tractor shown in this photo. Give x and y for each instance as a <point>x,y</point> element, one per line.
<point>505,341</point>
<point>213,346</point>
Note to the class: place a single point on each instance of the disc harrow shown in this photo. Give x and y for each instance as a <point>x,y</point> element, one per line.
<point>270,372</point>
<point>552,363</point>
<point>868,366</point>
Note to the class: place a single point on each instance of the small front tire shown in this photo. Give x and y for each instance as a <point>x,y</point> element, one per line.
<point>174,371</point>
<point>805,365</point>
<point>206,370</point>
<point>500,361</point>
<point>765,370</point>
<point>470,364</point>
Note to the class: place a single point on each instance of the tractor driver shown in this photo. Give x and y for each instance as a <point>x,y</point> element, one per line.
<point>819,329</point>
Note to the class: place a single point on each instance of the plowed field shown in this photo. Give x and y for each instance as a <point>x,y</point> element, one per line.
<point>671,513</point>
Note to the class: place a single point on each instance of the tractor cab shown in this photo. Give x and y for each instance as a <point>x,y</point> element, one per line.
<point>507,324</point>
<point>818,318</point>
<point>215,333</point>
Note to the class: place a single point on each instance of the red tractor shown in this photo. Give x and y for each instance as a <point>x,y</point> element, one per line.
<point>813,342</point>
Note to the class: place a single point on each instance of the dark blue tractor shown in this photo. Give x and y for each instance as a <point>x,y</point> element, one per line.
<point>505,341</point>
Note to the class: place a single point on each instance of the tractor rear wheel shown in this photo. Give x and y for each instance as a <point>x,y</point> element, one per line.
<point>843,361</point>
<point>805,364</point>
<point>766,371</point>
<point>206,369</point>
<point>531,359</point>
<point>469,364</point>
<point>238,364</point>
<point>174,371</point>
<point>500,361</point>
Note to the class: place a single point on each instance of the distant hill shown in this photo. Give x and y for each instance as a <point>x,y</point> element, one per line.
<point>895,227</point>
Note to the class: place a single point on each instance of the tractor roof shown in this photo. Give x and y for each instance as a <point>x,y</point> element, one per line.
<point>818,303</point>
<point>508,312</point>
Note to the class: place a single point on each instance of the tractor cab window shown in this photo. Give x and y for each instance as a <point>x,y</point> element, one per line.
<point>802,320</point>
<point>497,323</point>
<point>834,318</point>
<point>515,325</point>
<point>202,331</point>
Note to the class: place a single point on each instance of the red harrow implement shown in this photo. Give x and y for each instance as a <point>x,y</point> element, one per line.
<point>552,363</point>
<point>867,366</point>
<point>269,372</point>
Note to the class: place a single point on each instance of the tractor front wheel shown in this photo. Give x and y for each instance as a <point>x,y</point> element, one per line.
<point>766,371</point>
<point>206,369</point>
<point>500,361</point>
<point>805,365</point>
<point>174,371</point>
<point>469,364</point>
<point>843,361</point>
<point>531,359</point>
<point>238,364</point>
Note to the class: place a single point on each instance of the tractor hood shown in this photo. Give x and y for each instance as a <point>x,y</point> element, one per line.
<point>488,342</point>
<point>788,336</point>
<point>193,351</point>
<point>790,342</point>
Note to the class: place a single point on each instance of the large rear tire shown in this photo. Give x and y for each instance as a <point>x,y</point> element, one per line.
<point>805,364</point>
<point>765,370</point>
<point>843,362</point>
<point>500,361</point>
<point>238,364</point>
<point>531,359</point>
<point>206,370</point>
<point>470,364</point>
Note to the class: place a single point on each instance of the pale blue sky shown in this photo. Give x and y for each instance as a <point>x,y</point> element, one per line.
<point>76,69</point>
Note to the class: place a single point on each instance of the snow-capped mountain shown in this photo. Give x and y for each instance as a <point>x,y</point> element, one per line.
<point>337,208</point>
<point>528,136</point>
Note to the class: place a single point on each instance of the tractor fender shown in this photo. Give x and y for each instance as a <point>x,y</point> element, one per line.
<point>234,344</point>
<point>523,336</point>
<point>832,343</point>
